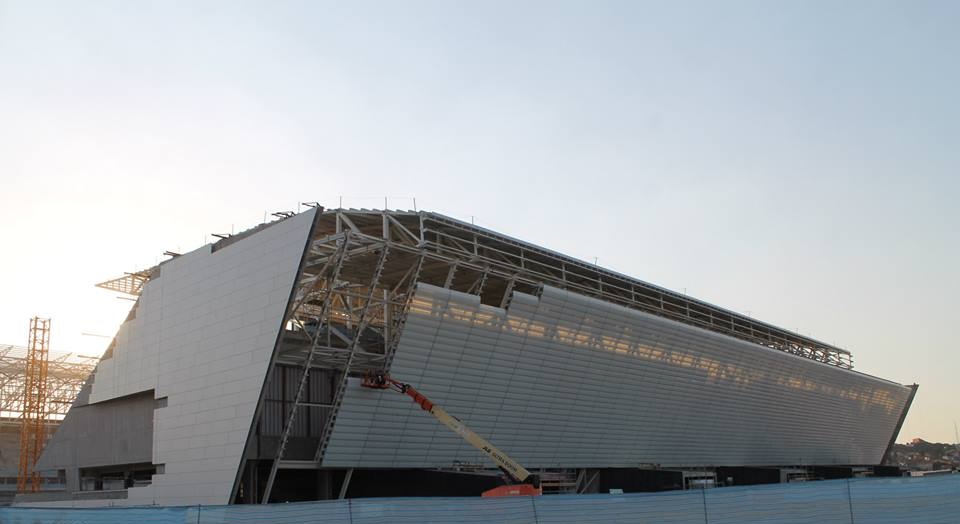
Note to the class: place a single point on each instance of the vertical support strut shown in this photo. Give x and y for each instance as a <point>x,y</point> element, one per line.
<point>339,257</point>
<point>346,484</point>
<point>450,274</point>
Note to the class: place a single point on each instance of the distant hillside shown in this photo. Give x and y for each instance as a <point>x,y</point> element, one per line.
<point>922,455</point>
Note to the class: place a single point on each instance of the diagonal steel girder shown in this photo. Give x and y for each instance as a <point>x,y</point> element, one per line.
<point>318,350</point>
<point>340,256</point>
<point>361,327</point>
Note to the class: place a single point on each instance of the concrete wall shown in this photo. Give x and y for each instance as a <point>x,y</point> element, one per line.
<point>116,431</point>
<point>202,337</point>
<point>571,381</point>
<point>9,448</point>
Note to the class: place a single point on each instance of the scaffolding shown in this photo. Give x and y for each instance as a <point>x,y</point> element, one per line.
<point>66,374</point>
<point>128,284</point>
<point>37,388</point>
<point>33,429</point>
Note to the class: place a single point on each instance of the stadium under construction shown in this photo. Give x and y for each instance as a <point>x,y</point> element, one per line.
<point>236,377</point>
<point>31,410</point>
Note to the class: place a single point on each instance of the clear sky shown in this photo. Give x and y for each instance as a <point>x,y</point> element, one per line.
<point>794,160</point>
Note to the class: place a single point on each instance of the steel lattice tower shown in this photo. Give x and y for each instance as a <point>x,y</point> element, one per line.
<point>33,429</point>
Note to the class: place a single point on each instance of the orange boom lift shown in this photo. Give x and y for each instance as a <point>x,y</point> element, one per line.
<point>523,483</point>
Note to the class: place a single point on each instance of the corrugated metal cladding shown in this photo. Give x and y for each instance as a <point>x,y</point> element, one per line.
<point>571,381</point>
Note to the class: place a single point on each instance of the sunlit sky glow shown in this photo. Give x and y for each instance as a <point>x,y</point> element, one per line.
<point>797,161</point>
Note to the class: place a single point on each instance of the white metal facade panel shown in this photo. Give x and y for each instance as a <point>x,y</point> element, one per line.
<point>571,381</point>
<point>203,337</point>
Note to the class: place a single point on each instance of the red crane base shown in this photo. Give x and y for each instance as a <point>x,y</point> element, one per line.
<point>517,490</point>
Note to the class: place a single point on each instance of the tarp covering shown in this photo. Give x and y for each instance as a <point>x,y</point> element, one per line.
<point>893,500</point>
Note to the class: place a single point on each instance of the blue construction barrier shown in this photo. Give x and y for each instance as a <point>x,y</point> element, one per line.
<point>858,501</point>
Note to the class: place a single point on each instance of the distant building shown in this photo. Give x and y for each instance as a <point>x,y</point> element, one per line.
<point>226,382</point>
<point>65,374</point>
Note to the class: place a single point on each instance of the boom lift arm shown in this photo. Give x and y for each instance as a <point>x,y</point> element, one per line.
<point>526,482</point>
